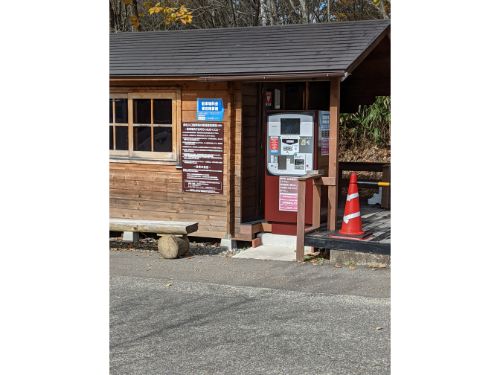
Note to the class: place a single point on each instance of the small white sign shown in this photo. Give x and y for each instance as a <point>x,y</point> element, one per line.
<point>288,193</point>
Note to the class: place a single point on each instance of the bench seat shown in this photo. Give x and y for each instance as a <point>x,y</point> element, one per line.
<point>152,226</point>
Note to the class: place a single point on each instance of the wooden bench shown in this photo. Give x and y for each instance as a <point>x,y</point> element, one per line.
<point>173,234</point>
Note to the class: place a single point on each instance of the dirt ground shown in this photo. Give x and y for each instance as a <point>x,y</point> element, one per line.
<point>149,243</point>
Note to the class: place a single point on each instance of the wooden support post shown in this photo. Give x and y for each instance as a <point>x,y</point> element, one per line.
<point>315,178</point>
<point>316,201</point>
<point>229,167</point>
<point>301,220</point>
<point>386,191</point>
<point>333,153</point>
<point>237,155</point>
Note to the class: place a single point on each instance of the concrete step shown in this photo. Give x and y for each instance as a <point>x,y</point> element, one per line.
<point>281,240</point>
<point>274,247</point>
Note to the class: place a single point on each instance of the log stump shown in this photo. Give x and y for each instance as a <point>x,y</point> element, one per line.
<point>170,246</point>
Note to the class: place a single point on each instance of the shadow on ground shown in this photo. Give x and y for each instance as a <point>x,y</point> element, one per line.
<point>200,246</point>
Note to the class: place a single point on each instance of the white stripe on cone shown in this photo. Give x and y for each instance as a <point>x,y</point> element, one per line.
<point>352,196</point>
<point>351,216</point>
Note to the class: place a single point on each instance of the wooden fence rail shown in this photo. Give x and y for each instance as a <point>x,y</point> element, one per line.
<point>318,181</point>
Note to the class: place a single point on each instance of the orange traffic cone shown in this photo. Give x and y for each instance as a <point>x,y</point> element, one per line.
<point>351,223</point>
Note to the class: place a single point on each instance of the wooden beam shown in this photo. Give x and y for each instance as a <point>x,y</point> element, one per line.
<point>333,154</point>
<point>229,167</point>
<point>386,191</point>
<point>362,166</point>
<point>237,140</point>
<point>267,227</point>
<point>301,220</point>
<point>316,209</point>
<point>327,181</point>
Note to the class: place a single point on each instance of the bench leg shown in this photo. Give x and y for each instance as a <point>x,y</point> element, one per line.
<point>130,237</point>
<point>170,246</point>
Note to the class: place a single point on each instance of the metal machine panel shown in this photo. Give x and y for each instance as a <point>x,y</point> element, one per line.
<point>290,144</point>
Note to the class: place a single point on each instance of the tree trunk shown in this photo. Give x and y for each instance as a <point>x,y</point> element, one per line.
<point>270,11</point>
<point>235,23</point>
<point>111,17</point>
<point>136,13</point>
<point>304,12</point>
<point>256,15</point>
<point>381,7</point>
<point>263,18</point>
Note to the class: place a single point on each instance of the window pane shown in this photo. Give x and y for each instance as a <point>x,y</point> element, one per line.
<point>142,138</point>
<point>121,137</point>
<point>110,111</point>
<point>162,111</point>
<point>142,111</point>
<point>163,139</point>
<point>110,137</point>
<point>121,111</point>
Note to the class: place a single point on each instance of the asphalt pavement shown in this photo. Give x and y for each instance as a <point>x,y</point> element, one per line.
<point>218,315</point>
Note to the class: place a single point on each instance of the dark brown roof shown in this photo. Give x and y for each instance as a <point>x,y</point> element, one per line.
<point>326,47</point>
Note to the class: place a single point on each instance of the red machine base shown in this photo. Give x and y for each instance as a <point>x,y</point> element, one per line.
<point>285,228</point>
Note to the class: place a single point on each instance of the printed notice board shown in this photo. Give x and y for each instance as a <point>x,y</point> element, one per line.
<point>288,193</point>
<point>202,157</point>
<point>209,109</point>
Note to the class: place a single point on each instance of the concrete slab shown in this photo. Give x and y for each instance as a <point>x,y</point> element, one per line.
<point>274,247</point>
<point>268,252</point>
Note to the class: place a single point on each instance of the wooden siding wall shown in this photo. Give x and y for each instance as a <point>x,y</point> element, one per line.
<point>250,153</point>
<point>154,191</point>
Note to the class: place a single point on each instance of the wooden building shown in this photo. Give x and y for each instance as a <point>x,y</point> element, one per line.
<point>158,78</point>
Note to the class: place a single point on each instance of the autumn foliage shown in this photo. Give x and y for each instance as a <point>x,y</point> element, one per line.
<point>147,15</point>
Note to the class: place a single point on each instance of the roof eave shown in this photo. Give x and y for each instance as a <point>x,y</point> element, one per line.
<point>234,77</point>
<point>369,49</point>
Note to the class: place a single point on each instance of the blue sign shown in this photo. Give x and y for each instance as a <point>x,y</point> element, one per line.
<point>209,109</point>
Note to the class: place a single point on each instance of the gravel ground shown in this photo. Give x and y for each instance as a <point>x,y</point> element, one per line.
<point>199,247</point>
<point>210,247</point>
<point>196,247</point>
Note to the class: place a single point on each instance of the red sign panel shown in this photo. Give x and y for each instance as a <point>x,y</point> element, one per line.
<point>274,144</point>
<point>202,157</point>
<point>269,98</point>
<point>288,193</point>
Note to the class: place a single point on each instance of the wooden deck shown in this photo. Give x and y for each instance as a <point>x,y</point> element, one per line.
<point>375,220</point>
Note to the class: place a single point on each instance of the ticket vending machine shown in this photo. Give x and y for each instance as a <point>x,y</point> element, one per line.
<point>297,143</point>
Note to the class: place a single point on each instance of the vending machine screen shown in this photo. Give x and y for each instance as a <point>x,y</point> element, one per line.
<point>290,126</point>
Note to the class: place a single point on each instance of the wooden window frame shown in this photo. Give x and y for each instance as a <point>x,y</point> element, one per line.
<point>130,155</point>
<point>120,153</point>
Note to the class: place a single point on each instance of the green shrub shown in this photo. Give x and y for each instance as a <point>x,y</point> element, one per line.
<point>369,126</point>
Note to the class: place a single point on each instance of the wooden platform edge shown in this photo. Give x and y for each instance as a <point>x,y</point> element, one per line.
<point>348,245</point>
<point>248,230</point>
